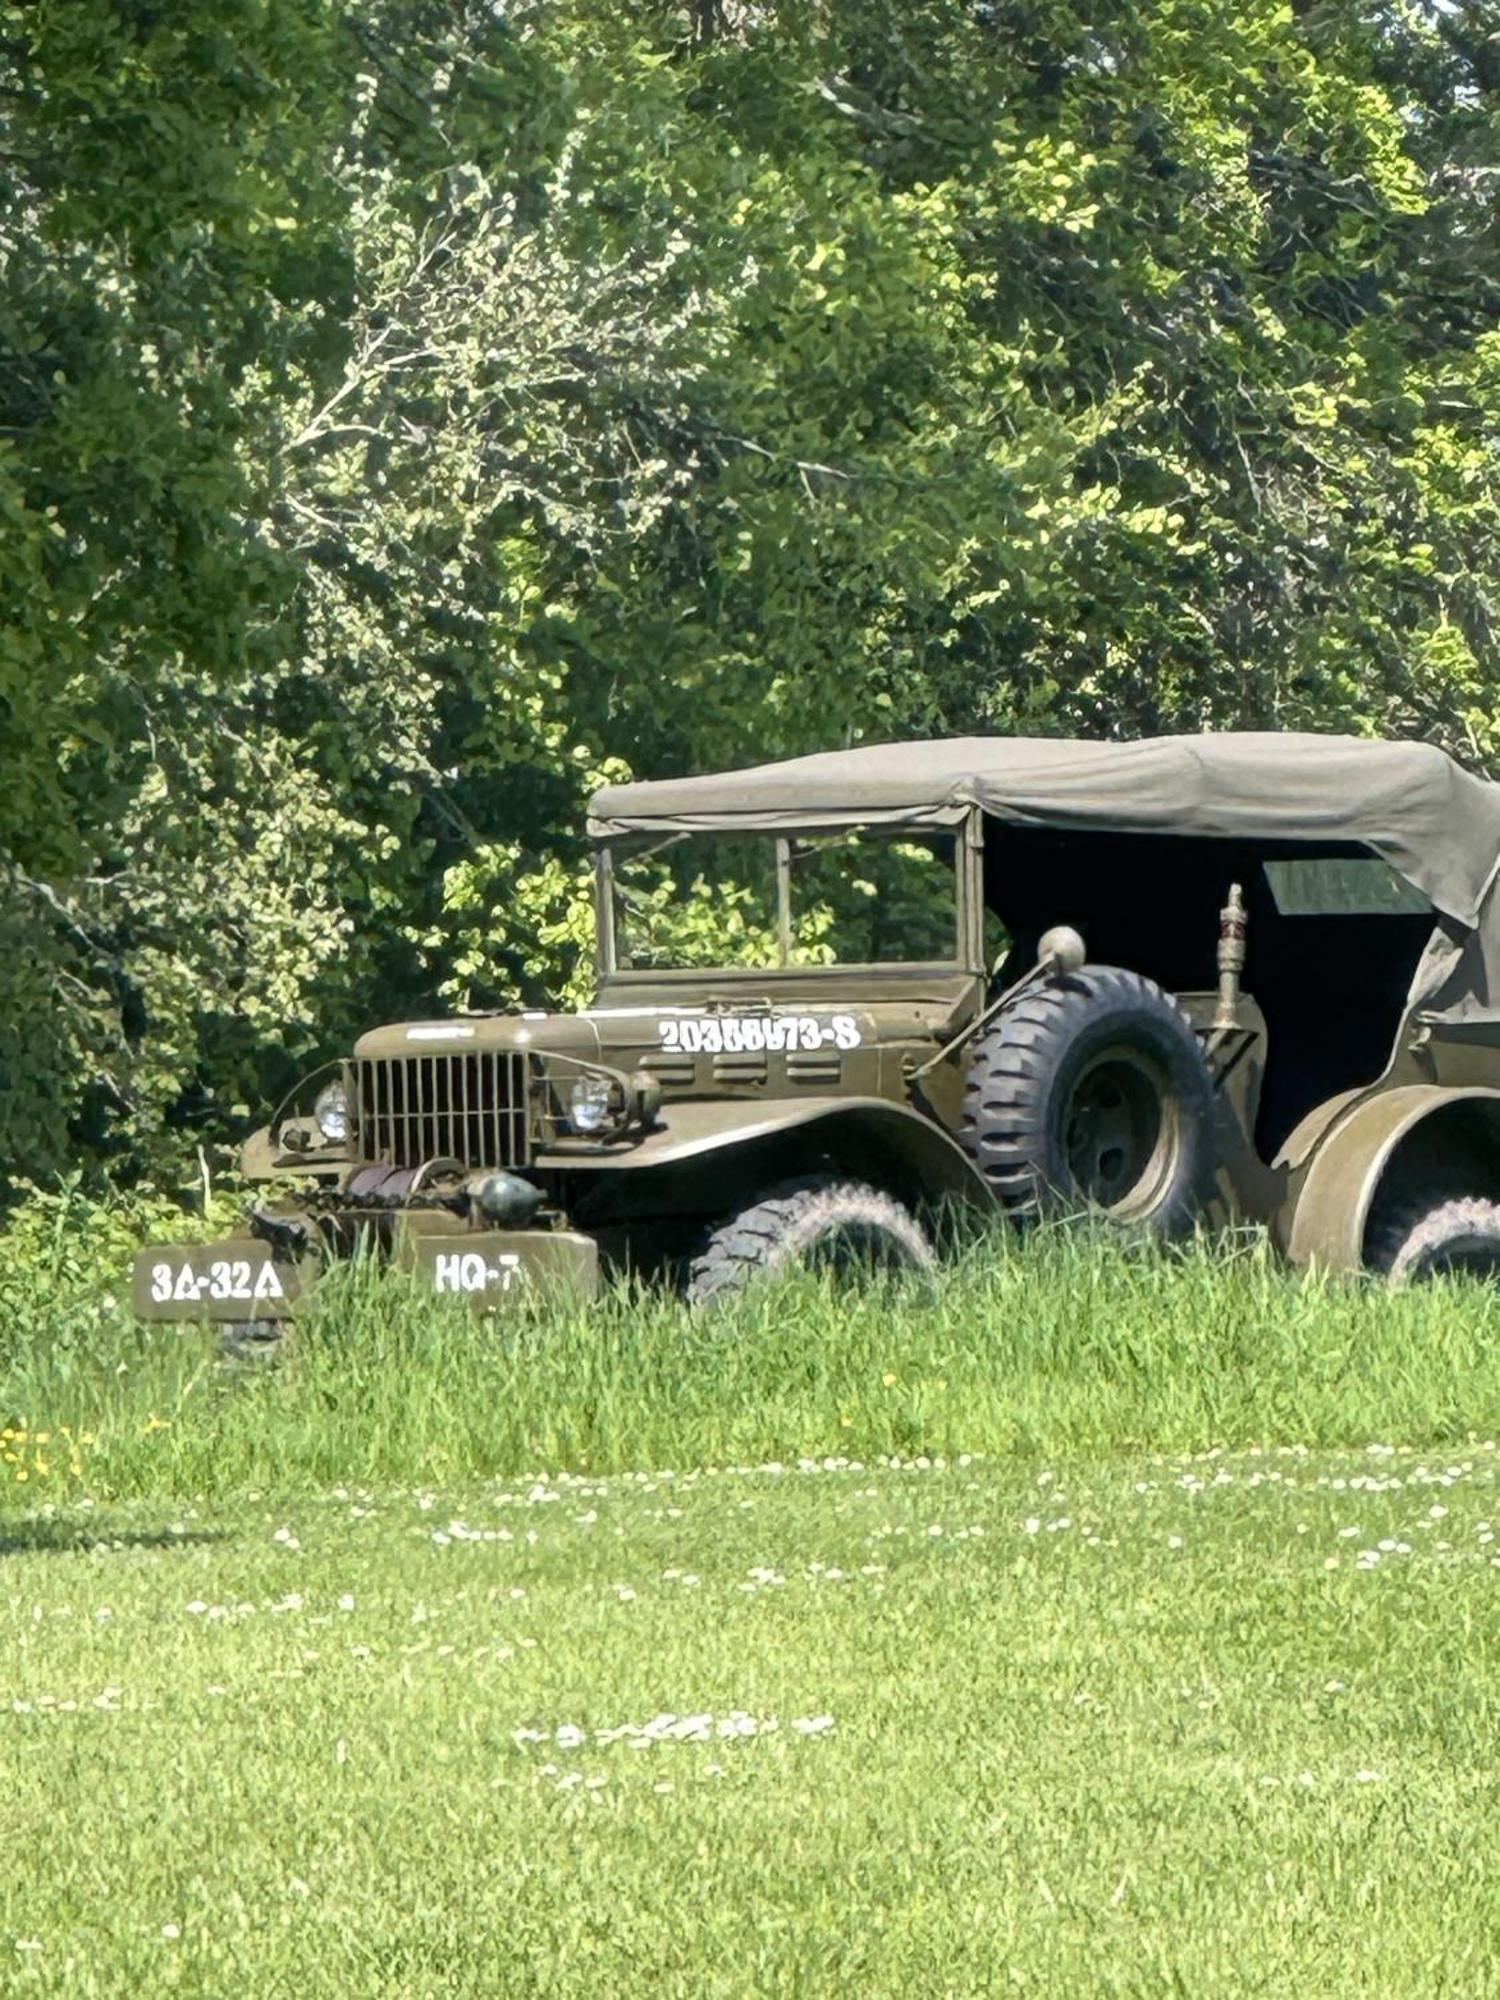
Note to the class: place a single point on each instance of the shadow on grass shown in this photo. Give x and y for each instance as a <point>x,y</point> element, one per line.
<point>76,1537</point>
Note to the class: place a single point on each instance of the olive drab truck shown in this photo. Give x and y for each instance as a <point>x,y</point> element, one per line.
<point>1176,983</point>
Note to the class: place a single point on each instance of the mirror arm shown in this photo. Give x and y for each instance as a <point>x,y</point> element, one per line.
<point>1061,950</point>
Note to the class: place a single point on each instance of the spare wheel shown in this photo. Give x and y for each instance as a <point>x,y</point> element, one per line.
<point>1090,1094</point>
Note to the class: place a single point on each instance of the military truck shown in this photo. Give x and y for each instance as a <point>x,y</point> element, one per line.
<point>1175,983</point>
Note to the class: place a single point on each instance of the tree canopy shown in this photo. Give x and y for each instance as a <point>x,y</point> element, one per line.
<point>412,414</point>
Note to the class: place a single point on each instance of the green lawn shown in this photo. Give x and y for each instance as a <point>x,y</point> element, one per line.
<point>1216,1725</point>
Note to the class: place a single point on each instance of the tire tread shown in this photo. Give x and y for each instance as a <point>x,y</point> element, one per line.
<point>785,1223</point>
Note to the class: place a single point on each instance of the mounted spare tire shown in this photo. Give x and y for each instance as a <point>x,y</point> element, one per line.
<point>1090,1094</point>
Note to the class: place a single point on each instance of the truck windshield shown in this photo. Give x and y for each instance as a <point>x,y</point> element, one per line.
<point>854,897</point>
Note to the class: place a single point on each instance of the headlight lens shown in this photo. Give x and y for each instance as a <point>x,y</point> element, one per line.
<point>588,1104</point>
<point>332,1112</point>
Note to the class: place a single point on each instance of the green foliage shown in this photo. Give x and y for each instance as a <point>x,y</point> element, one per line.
<point>65,1264</point>
<point>414,414</point>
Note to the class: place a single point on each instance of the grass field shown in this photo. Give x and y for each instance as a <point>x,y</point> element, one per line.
<point>1209,1725</point>
<point>1058,1346</point>
<point>1109,1623</point>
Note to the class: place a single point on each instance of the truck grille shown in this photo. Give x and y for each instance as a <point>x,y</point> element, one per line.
<point>469,1107</point>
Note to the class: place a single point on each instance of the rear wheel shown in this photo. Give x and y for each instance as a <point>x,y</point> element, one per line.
<point>846,1226</point>
<point>1439,1238</point>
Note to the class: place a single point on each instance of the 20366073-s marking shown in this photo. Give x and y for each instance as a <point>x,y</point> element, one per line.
<point>736,1034</point>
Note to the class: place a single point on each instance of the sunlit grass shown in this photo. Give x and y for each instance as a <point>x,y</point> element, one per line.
<point>1053,1345</point>
<point>1101,1621</point>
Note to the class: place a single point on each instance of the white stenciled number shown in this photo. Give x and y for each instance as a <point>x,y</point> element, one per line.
<point>737,1034</point>
<point>230,1280</point>
<point>161,1282</point>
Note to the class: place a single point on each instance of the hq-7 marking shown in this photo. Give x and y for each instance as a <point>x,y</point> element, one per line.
<point>224,1279</point>
<point>736,1034</point>
<point>469,1271</point>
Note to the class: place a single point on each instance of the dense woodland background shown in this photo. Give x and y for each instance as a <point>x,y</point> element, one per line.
<point>414,411</point>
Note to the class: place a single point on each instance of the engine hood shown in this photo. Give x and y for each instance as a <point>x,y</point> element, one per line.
<point>626,1034</point>
<point>535,1034</point>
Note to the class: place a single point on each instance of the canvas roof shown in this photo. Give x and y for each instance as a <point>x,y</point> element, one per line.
<point>1436,823</point>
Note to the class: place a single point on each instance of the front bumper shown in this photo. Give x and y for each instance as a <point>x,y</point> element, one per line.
<point>243,1278</point>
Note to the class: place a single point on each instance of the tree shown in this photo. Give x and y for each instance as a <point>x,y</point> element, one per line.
<point>415,413</point>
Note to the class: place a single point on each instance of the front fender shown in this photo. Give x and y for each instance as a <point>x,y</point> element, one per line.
<point>1333,1205</point>
<point>896,1145</point>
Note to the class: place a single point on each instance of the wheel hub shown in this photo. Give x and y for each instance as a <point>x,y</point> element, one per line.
<point>1118,1134</point>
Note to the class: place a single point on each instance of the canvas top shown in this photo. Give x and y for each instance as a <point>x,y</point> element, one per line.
<point>1434,822</point>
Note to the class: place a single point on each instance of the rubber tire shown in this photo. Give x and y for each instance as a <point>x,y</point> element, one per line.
<point>792,1223</point>
<point>1021,1076</point>
<point>1429,1239</point>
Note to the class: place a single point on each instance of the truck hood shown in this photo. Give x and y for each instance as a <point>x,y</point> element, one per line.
<point>540,1034</point>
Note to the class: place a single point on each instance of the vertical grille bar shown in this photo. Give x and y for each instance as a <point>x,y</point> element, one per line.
<point>470,1107</point>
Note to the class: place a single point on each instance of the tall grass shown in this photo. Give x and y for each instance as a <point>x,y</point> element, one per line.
<point>1063,1344</point>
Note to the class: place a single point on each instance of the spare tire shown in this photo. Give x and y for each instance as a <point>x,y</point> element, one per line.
<point>1090,1094</point>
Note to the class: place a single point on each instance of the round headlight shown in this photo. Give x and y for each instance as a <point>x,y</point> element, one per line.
<point>332,1112</point>
<point>588,1104</point>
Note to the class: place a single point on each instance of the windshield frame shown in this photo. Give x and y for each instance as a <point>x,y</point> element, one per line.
<point>966,959</point>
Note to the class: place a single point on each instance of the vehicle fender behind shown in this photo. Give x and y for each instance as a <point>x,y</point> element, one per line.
<point>1332,1207</point>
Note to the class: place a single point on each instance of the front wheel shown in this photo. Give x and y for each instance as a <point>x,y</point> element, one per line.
<point>825,1223</point>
